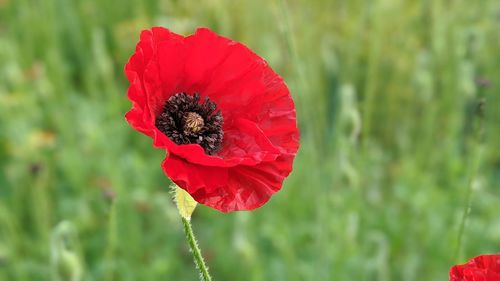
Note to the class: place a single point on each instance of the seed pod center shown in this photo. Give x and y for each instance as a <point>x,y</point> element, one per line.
<point>193,122</point>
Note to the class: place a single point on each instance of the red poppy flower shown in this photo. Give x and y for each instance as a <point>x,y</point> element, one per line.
<point>481,268</point>
<point>225,118</point>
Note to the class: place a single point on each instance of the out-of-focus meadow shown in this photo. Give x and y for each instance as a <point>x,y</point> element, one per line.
<point>395,144</point>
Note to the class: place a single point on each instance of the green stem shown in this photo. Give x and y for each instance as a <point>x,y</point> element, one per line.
<point>195,251</point>
<point>476,159</point>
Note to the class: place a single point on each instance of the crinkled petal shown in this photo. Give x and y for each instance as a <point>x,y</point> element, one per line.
<point>244,144</point>
<point>243,86</point>
<point>192,177</point>
<point>142,70</point>
<point>230,74</point>
<point>481,268</point>
<point>164,76</point>
<point>230,188</point>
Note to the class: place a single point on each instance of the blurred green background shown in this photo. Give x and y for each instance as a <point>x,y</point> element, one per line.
<point>395,144</point>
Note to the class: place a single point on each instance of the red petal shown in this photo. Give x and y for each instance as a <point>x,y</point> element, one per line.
<point>244,144</point>
<point>491,262</point>
<point>243,85</point>
<point>163,77</point>
<point>142,70</point>
<point>481,268</point>
<point>229,189</point>
<point>192,177</point>
<point>205,52</point>
<point>226,71</point>
<point>137,117</point>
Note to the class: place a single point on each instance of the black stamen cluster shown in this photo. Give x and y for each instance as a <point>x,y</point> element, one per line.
<point>172,122</point>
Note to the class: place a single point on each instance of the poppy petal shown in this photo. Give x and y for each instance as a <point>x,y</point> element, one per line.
<point>229,189</point>
<point>244,143</point>
<point>480,268</point>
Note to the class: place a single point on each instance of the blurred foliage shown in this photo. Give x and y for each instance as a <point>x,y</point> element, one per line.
<point>386,92</point>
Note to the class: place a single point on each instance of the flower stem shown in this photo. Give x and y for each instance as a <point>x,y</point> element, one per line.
<point>195,251</point>
<point>477,152</point>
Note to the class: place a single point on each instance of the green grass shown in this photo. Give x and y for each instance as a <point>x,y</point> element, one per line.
<point>386,94</point>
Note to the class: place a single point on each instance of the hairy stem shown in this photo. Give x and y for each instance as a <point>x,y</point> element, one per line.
<point>195,251</point>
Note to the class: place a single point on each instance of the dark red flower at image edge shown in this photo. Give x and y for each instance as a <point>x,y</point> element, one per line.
<point>481,268</point>
<point>225,118</point>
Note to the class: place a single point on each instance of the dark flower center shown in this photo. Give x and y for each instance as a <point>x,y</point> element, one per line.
<point>187,120</point>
